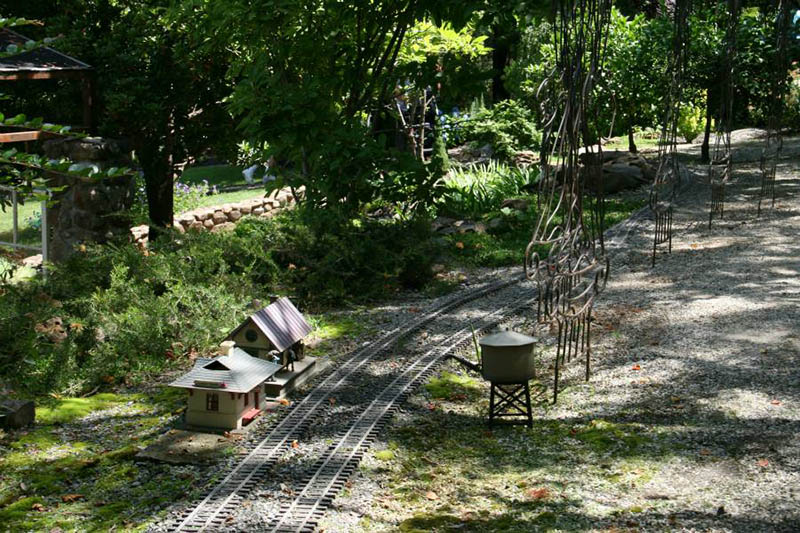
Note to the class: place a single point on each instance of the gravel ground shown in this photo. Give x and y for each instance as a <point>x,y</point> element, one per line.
<point>697,357</point>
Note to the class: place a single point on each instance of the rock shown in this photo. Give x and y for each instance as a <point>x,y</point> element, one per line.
<point>234,215</point>
<point>225,226</point>
<point>204,214</point>
<point>219,217</point>
<point>441,222</point>
<point>208,224</point>
<point>227,208</point>
<point>245,209</point>
<point>258,211</point>
<point>518,204</point>
<point>197,225</point>
<point>179,227</point>
<point>34,261</point>
<point>17,413</point>
<point>496,223</point>
<point>525,158</point>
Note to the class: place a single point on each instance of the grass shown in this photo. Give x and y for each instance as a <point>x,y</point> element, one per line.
<point>446,470</point>
<point>229,197</point>
<point>219,175</point>
<point>27,234</point>
<point>67,473</point>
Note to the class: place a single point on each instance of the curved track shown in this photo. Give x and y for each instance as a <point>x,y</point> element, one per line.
<point>224,499</point>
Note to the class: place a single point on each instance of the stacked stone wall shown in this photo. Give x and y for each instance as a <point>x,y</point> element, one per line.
<point>223,217</point>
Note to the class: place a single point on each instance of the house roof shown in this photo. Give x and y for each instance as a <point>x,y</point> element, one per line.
<point>42,59</point>
<point>281,322</point>
<point>238,372</point>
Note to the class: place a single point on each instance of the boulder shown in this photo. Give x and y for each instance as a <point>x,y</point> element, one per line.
<point>258,211</point>
<point>16,413</point>
<point>208,224</point>
<point>219,217</point>
<point>225,226</point>
<point>518,204</point>
<point>234,215</point>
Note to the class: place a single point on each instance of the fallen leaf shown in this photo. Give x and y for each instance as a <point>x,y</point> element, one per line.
<point>295,444</point>
<point>69,498</point>
<point>292,266</point>
<point>431,406</point>
<point>283,401</point>
<point>38,507</point>
<point>431,495</point>
<point>414,309</point>
<point>537,494</point>
<point>775,402</point>
<point>694,246</point>
<point>332,401</point>
<point>705,452</point>
<point>636,367</point>
<point>460,245</point>
<point>763,463</point>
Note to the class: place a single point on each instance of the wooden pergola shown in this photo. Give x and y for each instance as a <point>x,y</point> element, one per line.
<point>43,63</point>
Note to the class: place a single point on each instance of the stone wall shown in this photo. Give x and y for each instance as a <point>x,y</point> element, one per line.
<point>87,210</point>
<point>223,217</point>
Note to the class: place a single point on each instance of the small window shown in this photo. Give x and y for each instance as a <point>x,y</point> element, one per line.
<point>212,402</point>
<point>251,335</point>
<point>246,398</point>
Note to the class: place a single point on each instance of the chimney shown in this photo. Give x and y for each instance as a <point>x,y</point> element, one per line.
<point>226,347</point>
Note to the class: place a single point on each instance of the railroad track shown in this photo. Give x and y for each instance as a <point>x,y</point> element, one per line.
<point>212,512</point>
<point>332,470</point>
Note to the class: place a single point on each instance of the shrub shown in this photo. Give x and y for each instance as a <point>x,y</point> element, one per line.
<point>480,189</point>
<point>691,122</point>
<point>508,127</point>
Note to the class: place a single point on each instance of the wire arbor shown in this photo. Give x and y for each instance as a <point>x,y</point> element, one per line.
<point>668,175</point>
<point>721,165</point>
<point>774,141</point>
<point>566,255</point>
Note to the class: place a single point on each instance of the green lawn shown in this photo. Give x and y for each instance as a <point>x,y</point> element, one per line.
<point>219,175</point>
<point>27,234</point>
<point>230,197</point>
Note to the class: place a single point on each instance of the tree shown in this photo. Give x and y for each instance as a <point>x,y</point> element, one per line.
<point>156,84</point>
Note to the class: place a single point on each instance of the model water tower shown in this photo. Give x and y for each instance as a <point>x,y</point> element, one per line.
<point>507,362</point>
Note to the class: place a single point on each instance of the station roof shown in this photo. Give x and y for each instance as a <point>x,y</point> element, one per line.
<point>41,63</point>
<point>238,372</point>
<point>281,322</point>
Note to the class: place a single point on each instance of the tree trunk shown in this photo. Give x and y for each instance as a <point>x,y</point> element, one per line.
<point>704,151</point>
<point>500,55</point>
<point>631,141</point>
<point>158,179</point>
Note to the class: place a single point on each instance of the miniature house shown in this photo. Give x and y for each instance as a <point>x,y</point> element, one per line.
<point>275,333</point>
<point>228,391</point>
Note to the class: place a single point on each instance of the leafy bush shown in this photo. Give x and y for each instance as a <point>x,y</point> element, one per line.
<point>508,127</point>
<point>331,259</point>
<point>479,190</point>
<point>116,314</point>
<point>691,122</point>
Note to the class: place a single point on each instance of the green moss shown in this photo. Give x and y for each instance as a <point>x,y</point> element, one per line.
<point>601,436</point>
<point>449,386</point>
<point>65,410</point>
<point>426,522</point>
<point>384,455</point>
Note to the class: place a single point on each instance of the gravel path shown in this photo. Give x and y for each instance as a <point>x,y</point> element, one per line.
<point>696,373</point>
